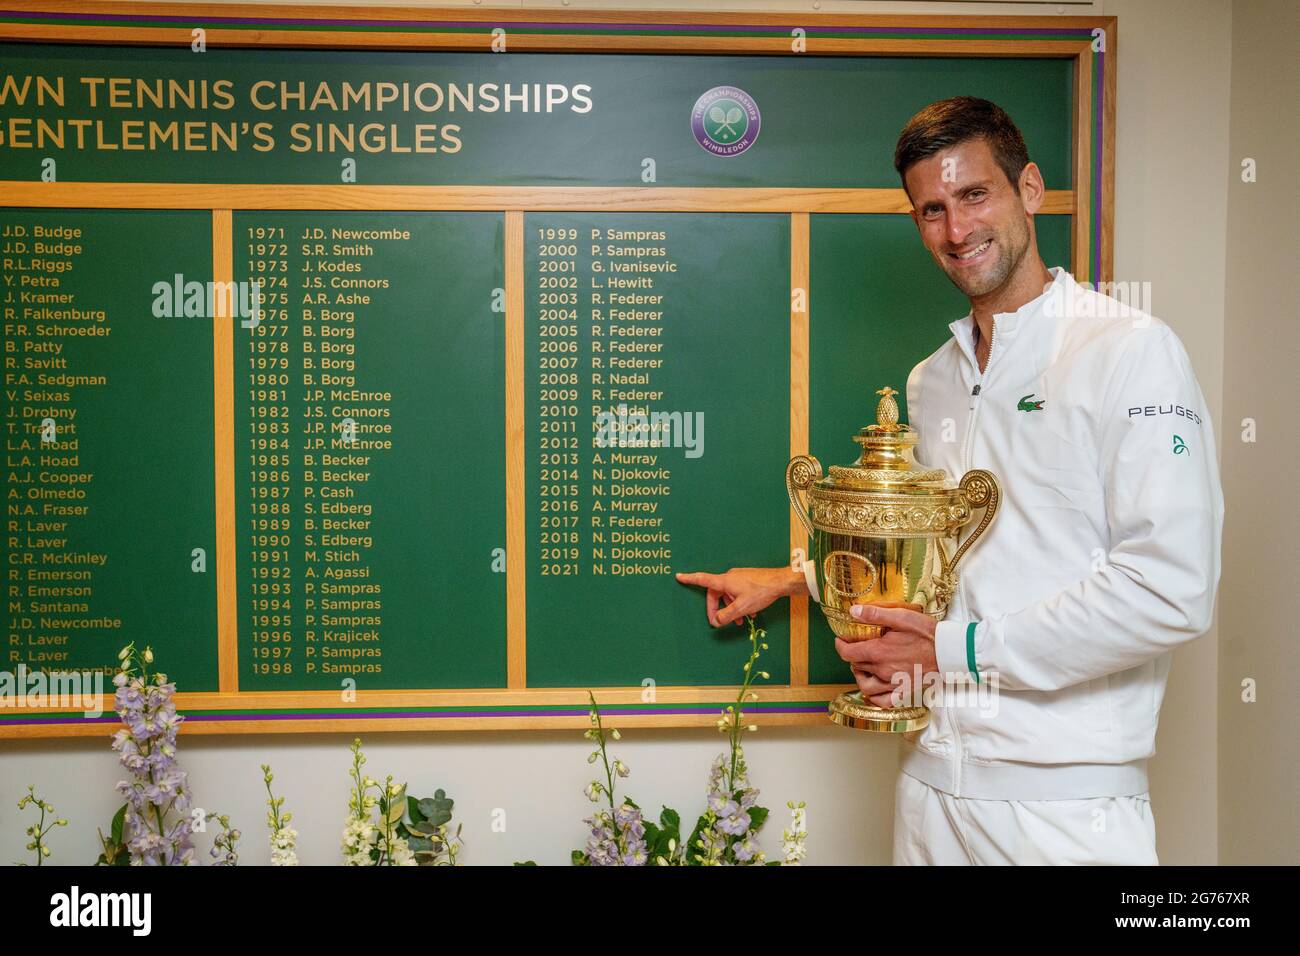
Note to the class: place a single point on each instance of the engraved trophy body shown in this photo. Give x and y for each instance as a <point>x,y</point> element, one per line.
<point>884,530</point>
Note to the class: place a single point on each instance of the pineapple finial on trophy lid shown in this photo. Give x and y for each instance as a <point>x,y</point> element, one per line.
<point>886,445</point>
<point>886,411</point>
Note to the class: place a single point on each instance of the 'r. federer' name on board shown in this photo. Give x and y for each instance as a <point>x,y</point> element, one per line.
<point>632,395</point>
<point>629,315</point>
<point>633,330</point>
<point>616,298</point>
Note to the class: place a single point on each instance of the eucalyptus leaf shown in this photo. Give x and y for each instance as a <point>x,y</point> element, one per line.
<point>438,808</point>
<point>420,844</point>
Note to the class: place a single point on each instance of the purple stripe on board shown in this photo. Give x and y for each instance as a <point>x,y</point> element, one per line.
<point>575,712</point>
<point>290,21</point>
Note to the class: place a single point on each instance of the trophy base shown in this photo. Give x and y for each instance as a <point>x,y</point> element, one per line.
<point>850,710</point>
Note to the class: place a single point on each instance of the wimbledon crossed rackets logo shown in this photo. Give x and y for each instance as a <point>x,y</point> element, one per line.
<point>720,125</point>
<point>725,121</point>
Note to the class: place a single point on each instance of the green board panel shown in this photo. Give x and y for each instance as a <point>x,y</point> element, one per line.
<point>101,524</point>
<point>824,121</point>
<point>611,516</point>
<point>879,305</point>
<point>369,451</point>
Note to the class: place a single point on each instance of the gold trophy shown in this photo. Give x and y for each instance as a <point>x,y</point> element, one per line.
<point>883,531</point>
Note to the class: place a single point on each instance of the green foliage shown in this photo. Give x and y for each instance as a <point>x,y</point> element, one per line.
<point>436,809</point>
<point>693,851</point>
<point>723,835</point>
<point>39,830</point>
<point>114,852</point>
<point>427,829</point>
<point>663,841</point>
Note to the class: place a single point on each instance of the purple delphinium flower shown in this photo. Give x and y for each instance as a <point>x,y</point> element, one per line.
<point>733,821</point>
<point>745,849</point>
<point>157,827</point>
<point>729,801</point>
<point>617,839</point>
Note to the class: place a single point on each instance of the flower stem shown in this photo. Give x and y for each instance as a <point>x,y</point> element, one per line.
<point>604,756</point>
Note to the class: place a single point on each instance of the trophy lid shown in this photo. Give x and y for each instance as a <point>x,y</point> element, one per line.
<point>887,462</point>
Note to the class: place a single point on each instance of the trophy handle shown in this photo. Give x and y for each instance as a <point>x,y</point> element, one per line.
<point>981,490</point>
<point>938,583</point>
<point>800,475</point>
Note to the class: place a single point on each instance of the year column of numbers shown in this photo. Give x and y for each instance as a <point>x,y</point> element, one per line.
<point>269,523</point>
<point>557,381</point>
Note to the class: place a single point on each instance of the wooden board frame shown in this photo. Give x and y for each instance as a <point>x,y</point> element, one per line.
<point>1090,42</point>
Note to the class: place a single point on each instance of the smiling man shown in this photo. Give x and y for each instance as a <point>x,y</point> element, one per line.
<point>1104,555</point>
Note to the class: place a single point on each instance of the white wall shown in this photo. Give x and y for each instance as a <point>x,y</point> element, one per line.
<point>1170,217</point>
<point>1259,749</point>
<point>537,778</point>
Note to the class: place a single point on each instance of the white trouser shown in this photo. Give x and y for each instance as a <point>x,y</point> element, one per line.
<point>934,828</point>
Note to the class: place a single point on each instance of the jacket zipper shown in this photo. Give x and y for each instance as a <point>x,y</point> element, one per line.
<point>961,585</point>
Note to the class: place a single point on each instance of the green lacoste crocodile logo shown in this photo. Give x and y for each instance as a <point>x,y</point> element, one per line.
<point>1030,404</point>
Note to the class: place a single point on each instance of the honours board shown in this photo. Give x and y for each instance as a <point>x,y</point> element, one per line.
<point>108,450</point>
<point>389,388</point>
<point>369,478</point>
<point>682,313</point>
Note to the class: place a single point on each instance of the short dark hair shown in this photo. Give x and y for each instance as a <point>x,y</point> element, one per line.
<point>955,120</point>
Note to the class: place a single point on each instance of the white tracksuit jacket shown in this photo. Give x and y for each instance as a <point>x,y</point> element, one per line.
<point>1104,555</point>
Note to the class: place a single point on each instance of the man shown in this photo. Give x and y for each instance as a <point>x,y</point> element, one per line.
<point>1103,557</point>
